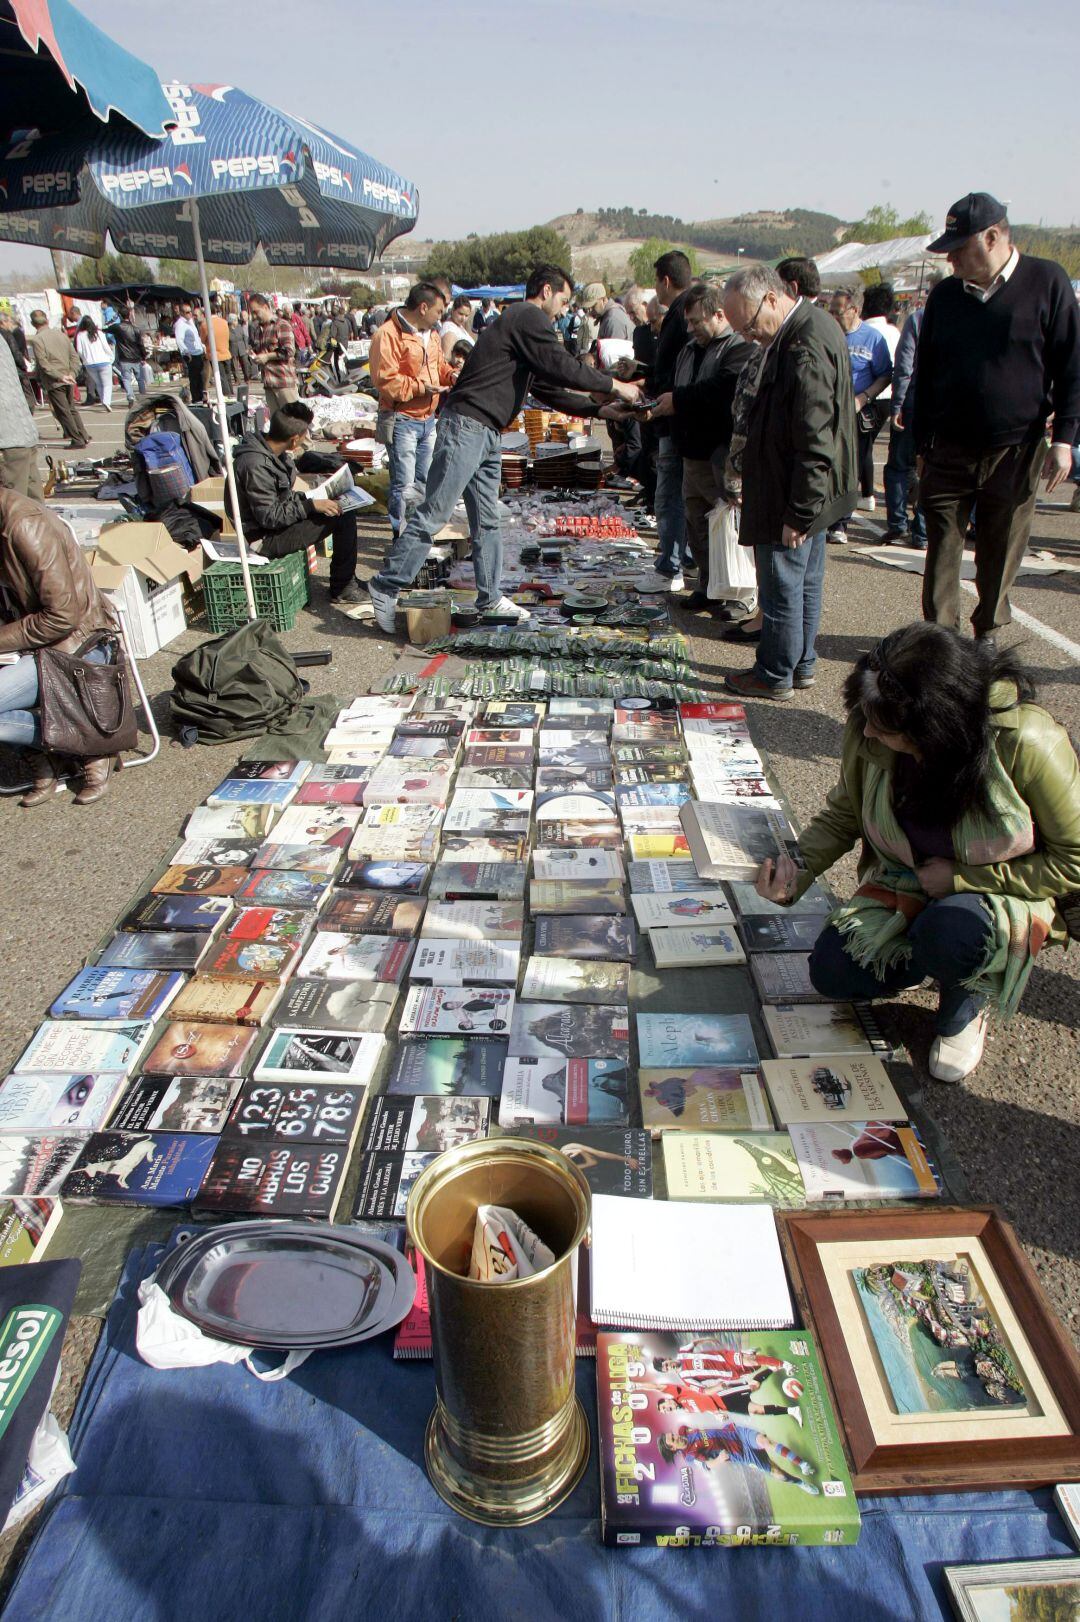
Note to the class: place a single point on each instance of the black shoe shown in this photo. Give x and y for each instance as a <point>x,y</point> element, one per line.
<point>697,602</point>
<point>349,596</point>
<point>895,537</point>
<point>735,633</point>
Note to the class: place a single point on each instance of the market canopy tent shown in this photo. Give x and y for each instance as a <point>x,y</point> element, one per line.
<point>59,72</point>
<point>120,292</point>
<point>899,253</point>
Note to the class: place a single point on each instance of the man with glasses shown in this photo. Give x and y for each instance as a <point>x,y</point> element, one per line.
<point>799,471</point>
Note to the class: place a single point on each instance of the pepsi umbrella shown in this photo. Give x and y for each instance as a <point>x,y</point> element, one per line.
<point>231,176</point>
<point>59,72</point>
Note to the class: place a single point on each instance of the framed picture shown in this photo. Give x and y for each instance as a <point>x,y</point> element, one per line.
<point>948,1369</point>
<point>1015,1590</point>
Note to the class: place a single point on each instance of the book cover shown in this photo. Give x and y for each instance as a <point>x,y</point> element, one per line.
<point>385,1184</point>
<point>595,806</point>
<point>449,1066</point>
<point>576,1031</point>
<point>659,771</point>
<point>38,1101</point>
<point>356,957</point>
<point>36,1164</point>
<point>572,866</point>
<point>154,949</point>
<point>691,948</point>
<point>533,1090</point>
<point>810,1031</point>
<point>421,749</point>
<point>371,912</point>
<point>570,705</point>
<point>862,1160</point>
<point>478,881</point>
<point>556,896</point>
<point>252,791</point>
<point>474,819</point>
<point>586,936</point>
<point>732,1166</point>
<point>663,877</point>
<point>478,847</point>
<point>655,910</point>
<point>450,1011</point>
<point>102,993</point>
<point>200,915</point>
<point>781,934</point>
<point>474,921</point>
<point>629,707</point>
<point>816,902</point>
<point>215,853</point>
<point>231,822</point>
<point>706,710</point>
<point>273,1179</point>
<point>193,1049</point>
<point>349,792</point>
<point>553,750</point>
<point>338,1005</point>
<point>298,858</point>
<point>709,1098</point>
<point>645,795</point>
<point>484,776</point>
<point>566,979</point>
<point>405,878</point>
<point>683,1040</point>
<point>200,881</point>
<point>649,754</point>
<point>425,1124</point>
<point>649,819</point>
<point>274,771</point>
<point>276,887</point>
<point>685,1463</point>
<point>131,1168</point>
<point>394,845</point>
<point>344,773</point>
<point>613,1159</point>
<point>319,1056</point>
<point>511,712</point>
<point>273,926</point>
<point>784,977</point>
<point>78,1047</point>
<point>853,1089</point>
<point>226,1002</point>
<point>26,1227</point>
<point>294,1112</point>
<point>318,825</point>
<point>422,783</point>
<point>420,818</point>
<point>466,963</point>
<point>430,726</point>
<point>649,727</point>
<point>657,847</point>
<point>580,835</point>
<point>573,779</point>
<point>519,737</point>
<point>175,1104</point>
<point>732,841</point>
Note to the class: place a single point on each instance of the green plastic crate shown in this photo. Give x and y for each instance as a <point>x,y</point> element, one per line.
<point>281,590</point>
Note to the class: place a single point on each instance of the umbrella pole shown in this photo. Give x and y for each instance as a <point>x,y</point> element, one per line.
<point>230,476</point>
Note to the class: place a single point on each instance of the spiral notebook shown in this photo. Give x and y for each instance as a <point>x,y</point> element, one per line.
<point>657,1265</point>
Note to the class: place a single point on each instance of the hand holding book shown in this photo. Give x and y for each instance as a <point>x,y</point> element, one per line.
<point>776,879</point>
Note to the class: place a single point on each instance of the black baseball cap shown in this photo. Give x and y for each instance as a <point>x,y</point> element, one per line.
<point>975,212</point>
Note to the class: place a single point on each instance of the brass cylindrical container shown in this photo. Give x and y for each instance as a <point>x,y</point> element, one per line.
<point>508,1439</point>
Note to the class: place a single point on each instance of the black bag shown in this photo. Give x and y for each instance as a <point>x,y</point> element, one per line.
<point>236,686</point>
<point>85,708</point>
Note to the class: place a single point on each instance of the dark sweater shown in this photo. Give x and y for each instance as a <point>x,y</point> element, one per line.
<point>506,357</point>
<point>989,375</point>
<point>705,379</point>
<point>674,336</point>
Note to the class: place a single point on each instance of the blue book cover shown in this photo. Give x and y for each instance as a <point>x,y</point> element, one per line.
<point>140,1168</point>
<point>282,888</point>
<point>153,949</point>
<point>108,993</point>
<point>253,791</point>
<point>666,1040</point>
<point>197,914</point>
<point>653,794</point>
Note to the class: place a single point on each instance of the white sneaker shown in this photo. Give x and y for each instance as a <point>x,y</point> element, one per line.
<point>654,581</point>
<point>867,504</point>
<point>504,607</point>
<point>954,1057</point>
<point>385,607</point>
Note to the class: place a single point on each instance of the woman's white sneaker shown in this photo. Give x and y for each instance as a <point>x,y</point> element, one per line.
<point>504,608</point>
<point>954,1057</point>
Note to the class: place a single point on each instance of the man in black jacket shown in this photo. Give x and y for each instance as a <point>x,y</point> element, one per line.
<point>280,519</point>
<point>799,471</point>
<point>520,346</point>
<point>673,279</point>
<point>999,352</point>
<point>698,413</point>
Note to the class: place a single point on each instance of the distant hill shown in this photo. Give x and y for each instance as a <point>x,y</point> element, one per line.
<point>765,234</point>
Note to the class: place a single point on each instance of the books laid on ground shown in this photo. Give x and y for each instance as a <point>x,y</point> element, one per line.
<point>781,934</point>
<point>131,1168</point>
<point>474,921</point>
<point>450,1066</point>
<point>339,1005</point>
<point>33,1101</point>
<point>154,949</point>
<point>816,902</point>
<point>660,877</point>
<point>707,1098</point>
<point>562,979</point>
<point>194,914</point>
<point>275,887</point>
<point>77,1047</point>
<point>215,853</point>
<point>36,1164</point>
<point>372,912</point>
<point>862,1160</point>
<point>246,791</point>
<point>466,963</point>
<point>550,1090</point>
<point>446,1011</point>
<point>187,1048</point>
<point>556,897</point>
<point>355,957</point>
<point>262,1178</point>
<point>613,1160</point>
<point>317,825</point>
<point>695,947</point>
<point>175,1104</point>
<point>732,1166</point>
<point>590,866</point>
<point>425,1123</point>
<point>231,822</point>
<point>809,1031</point>
<point>829,1090</point>
<point>732,841</point>
<point>478,881</point>
<point>298,858</point>
<point>692,1039</point>
<point>319,1056</point>
<point>586,936</point>
<point>247,960</point>
<point>647,1267</point>
<point>385,1184</point>
<point>26,1227</point>
<point>784,1479</point>
<point>572,1030</point>
<point>479,847</point>
<point>784,977</point>
<point>404,878</point>
<point>297,1112</point>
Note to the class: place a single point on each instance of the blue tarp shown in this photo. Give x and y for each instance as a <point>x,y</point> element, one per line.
<point>517,291</point>
<point>206,1494</point>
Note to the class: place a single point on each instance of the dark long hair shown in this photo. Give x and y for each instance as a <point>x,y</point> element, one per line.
<point>88,324</point>
<point>933,685</point>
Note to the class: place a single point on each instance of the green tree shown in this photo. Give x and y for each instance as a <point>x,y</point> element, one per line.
<point>500,260</point>
<point>882,222</point>
<point>642,260</point>
<point>109,269</point>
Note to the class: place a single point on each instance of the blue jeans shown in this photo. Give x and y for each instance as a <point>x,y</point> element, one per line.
<point>790,584</point>
<point>132,373</point>
<point>19,725</point>
<point>467,463</point>
<point>410,458</point>
<point>668,506</point>
<point>948,939</point>
<point>898,470</point>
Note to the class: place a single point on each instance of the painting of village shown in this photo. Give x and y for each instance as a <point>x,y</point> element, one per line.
<point>940,1348</point>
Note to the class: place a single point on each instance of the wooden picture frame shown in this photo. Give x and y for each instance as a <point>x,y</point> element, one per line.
<point>892,1451</point>
<point>974,1591</point>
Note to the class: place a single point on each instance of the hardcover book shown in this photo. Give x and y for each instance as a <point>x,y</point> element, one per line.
<point>356,957</point>
<point>338,1005</point>
<point>78,1047</point>
<point>586,936</point>
<point>199,915</point>
<point>613,1159</point>
<point>425,1124</point>
<point>103,993</point>
<point>732,841</point>
<point>154,949</point>
<point>703,1099</point>
<point>372,912</point>
<point>293,1112</point>
<point>834,1090</point>
<point>673,907</point>
<point>695,948</point>
<point>811,1031</point>
<point>35,1101</point>
<point>862,1160</point>
<point>684,1040</point>
<point>132,1168</point>
<point>732,1166</point>
<point>319,1055</point>
<point>192,1049</point>
<point>226,1002</point>
<point>175,1104</point>
<point>571,1030</point>
<point>565,979</point>
<point>450,1066</point>
<point>273,1179</point>
<point>466,963</point>
<point>450,1011</point>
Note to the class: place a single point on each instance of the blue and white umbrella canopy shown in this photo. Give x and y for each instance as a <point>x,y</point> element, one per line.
<point>59,72</point>
<point>261,179</point>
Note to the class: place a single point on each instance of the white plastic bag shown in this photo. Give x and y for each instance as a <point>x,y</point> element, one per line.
<point>166,1340</point>
<point>505,1247</point>
<point>731,566</point>
<point>49,1462</point>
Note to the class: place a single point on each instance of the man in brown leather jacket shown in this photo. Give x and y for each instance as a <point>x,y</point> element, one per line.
<point>48,584</point>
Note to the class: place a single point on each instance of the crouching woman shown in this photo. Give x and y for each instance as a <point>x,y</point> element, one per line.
<point>49,600</point>
<point>965,796</point>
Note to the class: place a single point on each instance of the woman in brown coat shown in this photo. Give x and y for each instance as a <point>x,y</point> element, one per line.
<point>52,602</point>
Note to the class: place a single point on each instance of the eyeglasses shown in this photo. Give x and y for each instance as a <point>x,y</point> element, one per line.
<point>747,331</point>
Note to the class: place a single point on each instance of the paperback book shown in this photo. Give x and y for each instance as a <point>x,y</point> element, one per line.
<point>863,1160</point>
<point>478,881</point>
<point>831,1090</point>
<point>673,907</point>
<point>483,848</point>
<point>113,994</point>
<point>732,841</point>
<point>466,963</point>
<point>231,822</point>
<point>580,835</point>
<point>298,858</point>
<point>708,1098</point>
<point>394,844</point>
<point>199,915</point>
<point>816,902</point>
<point>85,1047</point>
<point>215,853</point>
<point>446,1011</point>
<point>338,1005</point>
<point>272,926</point>
<point>474,819</point>
<point>232,1002</point>
<point>277,887</point>
<point>36,1164</point>
<point>294,1112</point>
<point>425,1123</point>
<point>575,980</point>
<point>474,921</point>
<point>661,878</point>
<point>553,863</point>
<point>573,779</point>
<point>348,792</point>
<point>372,912</point>
<point>385,1184</point>
<point>784,977</point>
<point>732,1166</point>
<point>448,1066</point>
<point>574,1031</point>
<point>154,949</point>
<point>175,1104</point>
<point>317,825</point>
<point>251,791</point>
<point>595,806</point>
<point>319,1056</point>
<point>695,948</point>
<point>26,1227</point>
<point>493,776</point>
<point>613,1159</point>
<point>189,1048</point>
<point>686,1040</point>
<point>586,936</point>
<point>553,1090</point>
<point>654,847</point>
<point>276,771</point>
<point>356,957</point>
<point>781,934</point>
<point>810,1031</point>
<point>563,899</point>
<point>36,1101</point>
<point>132,1168</point>
<point>251,960</point>
<point>405,878</point>
<point>262,1179</point>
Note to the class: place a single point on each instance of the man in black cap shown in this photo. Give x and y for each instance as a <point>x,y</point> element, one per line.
<point>999,353</point>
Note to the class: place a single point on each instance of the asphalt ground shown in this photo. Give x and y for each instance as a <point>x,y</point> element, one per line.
<point>1014,1125</point>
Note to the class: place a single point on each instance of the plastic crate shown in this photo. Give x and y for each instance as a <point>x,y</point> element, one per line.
<point>281,590</point>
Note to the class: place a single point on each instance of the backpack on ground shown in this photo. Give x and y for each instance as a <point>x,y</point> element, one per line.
<point>236,685</point>
<point>163,473</point>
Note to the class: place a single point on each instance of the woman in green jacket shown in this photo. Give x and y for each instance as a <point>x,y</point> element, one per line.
<point>966,798</point>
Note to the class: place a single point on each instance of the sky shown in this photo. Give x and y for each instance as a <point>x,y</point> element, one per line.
<point>506,114</point>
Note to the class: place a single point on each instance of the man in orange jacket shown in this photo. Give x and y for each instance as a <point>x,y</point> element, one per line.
<point>411,375</point>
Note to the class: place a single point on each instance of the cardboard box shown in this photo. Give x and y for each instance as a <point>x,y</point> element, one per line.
<point>210,495</point>
<point>141,569</point>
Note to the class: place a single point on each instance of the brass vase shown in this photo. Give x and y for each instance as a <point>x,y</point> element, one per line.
<point>508,1440</point>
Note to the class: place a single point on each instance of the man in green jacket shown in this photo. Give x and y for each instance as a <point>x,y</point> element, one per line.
<point>799,471</point>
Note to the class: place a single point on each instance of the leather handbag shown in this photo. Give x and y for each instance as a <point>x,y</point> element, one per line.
<point>85,707</point>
